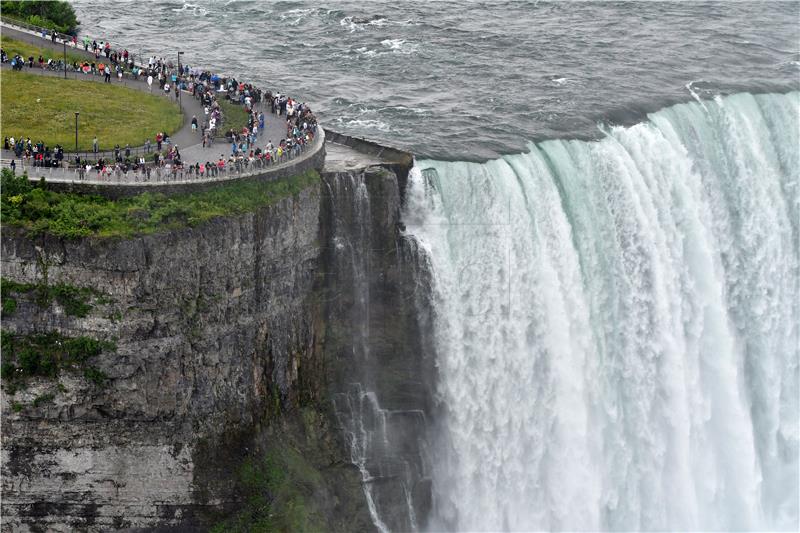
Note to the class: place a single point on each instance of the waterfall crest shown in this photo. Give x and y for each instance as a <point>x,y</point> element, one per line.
<point>616,325</point>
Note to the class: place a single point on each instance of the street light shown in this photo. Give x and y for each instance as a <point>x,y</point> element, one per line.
<point>76,130</point>
<point>65,59</point>
<point>178,80</point>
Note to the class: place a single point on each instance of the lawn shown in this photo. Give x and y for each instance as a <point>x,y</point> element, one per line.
<point>43,108</point>
<point>233,116</point>
<point>13,47</point>
<point>70,215</point>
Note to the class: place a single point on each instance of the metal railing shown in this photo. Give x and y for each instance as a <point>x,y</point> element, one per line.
<point>151,174</point>
<point>220,133</point>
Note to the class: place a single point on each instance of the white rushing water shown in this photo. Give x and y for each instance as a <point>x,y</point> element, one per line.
<point>617,325</point>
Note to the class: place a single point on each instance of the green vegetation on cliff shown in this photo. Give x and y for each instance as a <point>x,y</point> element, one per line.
<point>70,215</point>
<point>54,14</point>
<point>43,108</point>
<point>296,481</point>
<point>46,355</point>
<point>74,300</point>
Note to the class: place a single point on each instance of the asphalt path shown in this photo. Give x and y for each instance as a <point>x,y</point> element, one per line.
<point>189,143</point>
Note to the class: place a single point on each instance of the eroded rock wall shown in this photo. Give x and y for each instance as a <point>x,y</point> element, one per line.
<point>224,334</point>
<point>213,325</point>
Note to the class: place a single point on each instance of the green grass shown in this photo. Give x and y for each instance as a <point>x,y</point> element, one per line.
<point>233,116</point>
<point>43,108</point>
<point>13,47</point>
<point>70,215</point>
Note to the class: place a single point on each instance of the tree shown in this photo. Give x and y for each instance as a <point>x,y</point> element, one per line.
<point>53,14</point>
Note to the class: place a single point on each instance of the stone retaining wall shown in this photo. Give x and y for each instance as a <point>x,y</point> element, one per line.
<point>312,160</point>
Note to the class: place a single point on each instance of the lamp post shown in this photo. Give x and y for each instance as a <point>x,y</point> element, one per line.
<point>76,129</point>
<point>178,80</point>
<point>65,58</point>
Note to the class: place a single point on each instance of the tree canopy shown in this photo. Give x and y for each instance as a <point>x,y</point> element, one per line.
<point>53,14</point>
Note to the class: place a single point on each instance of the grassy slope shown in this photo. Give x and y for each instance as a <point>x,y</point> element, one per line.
<point>233,115</point>
<point>13,47</point>
<point>75,215</point>
<point>43,108</point>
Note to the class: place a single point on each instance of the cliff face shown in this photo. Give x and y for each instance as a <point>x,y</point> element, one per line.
<point>225,336</point>
<point>211,324</point>
<point>381,365</point>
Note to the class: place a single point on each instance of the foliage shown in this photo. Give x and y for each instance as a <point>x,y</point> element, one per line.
<point>9,306</point>
<point>74,300</point>
<point>13,186</point>
<point>278,491</point>
<point>98,377</point>
<point>57,15</point>
<point>72,215</point>
<point>46,355</point>
<point>43,108</point>
<point>43,398</point>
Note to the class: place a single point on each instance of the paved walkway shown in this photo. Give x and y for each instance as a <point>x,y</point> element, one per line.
<point>189,143</point>
<point>162,175</point>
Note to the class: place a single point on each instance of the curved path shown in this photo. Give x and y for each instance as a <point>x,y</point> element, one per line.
<point>188,142</point>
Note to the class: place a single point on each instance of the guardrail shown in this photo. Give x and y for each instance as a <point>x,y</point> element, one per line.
<point>23,24</point>
<point>173,180</point>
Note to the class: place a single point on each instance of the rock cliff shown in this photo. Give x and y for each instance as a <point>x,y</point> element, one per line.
<point>226,341</point>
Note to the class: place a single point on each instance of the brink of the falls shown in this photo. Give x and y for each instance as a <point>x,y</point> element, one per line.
<point>616,325</point>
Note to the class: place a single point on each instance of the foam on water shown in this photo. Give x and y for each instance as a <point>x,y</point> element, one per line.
<point>488,69</point>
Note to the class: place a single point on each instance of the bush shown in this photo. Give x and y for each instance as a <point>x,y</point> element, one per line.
<point>51,14</point>
<point>95,376</point>
<point>46,355</point>
<point>43,398</point>
<point>9,306</point>
<point>74,300</point>
<point>73,216</point>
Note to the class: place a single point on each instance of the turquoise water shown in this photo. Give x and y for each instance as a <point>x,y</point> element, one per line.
<point>617,325</point>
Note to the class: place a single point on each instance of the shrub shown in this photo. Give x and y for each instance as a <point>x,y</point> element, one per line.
<point>72,215</point>
<point>46,355</point>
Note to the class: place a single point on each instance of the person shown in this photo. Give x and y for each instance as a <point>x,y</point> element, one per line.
<point>107,73</point>
<point>95,146</point>
<point>159,139</point>
<point>150,82</point>
<point>147,145</point>
<point>194,123</point>
<point>14,167</point>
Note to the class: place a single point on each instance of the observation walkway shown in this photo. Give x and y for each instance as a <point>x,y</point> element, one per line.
<point>329,151</point>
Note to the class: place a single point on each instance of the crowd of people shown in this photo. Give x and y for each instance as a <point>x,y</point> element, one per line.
<point>36,154</point>
<point>248,148</point>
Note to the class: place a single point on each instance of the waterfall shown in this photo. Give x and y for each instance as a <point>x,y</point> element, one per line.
<point>369,297</point>
<point>616,325</point>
